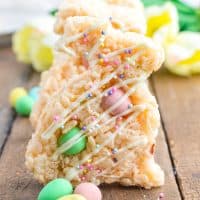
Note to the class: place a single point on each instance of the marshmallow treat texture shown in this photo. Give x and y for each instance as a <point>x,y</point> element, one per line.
<point>119,138</point>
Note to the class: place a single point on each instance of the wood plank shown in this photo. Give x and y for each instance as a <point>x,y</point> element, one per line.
<point>179,100</point>
<point>12,74</point>
<point>16,183</point>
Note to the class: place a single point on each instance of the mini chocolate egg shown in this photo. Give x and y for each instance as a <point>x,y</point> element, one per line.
<point>24,105</point>
<point>55,189</point>
<point>15,94</point>
<point>112,98</point>
<point>34,93</point>
<point>78,146</point>
<point>73,197</point>
<point>89,191</point>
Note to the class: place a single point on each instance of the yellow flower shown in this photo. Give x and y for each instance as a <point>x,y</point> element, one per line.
<point>162,22</point>
<point>183,54</point>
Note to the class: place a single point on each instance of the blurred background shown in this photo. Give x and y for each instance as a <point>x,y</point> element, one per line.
<point>15,13</point>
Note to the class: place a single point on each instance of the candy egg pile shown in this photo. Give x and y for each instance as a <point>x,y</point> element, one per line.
<point>22,101</point>
<point>61,189</point>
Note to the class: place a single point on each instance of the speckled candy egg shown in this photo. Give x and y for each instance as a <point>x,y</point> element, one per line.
<point>89,191</point>
<point>72,197</point>
<point>112,97</point>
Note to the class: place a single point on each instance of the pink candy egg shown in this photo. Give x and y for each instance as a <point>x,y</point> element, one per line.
<point>89,191</point>
<point>113,96</point>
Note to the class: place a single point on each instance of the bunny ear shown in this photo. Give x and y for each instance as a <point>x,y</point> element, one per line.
<point>92,40</point>
<point>127,15</point>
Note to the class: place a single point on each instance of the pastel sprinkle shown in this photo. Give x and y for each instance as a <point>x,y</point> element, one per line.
<point>85,35</point>
<point>100,56</point>
<point>85,40</point>
<point>110,92</point>
<point>121,76</point>
<point>115,150</point>
<point>161,195</point>
<point>56,118</point>
<point>97,146</point>
<point>75,117</point>
<point>84,128</point>
<point>106,60</point>
<point>116,62</point>
<point>93,118</point>
<point>89,95</point>
<point>116,127</point>
<point>110,18</point>
<point>126,66</point>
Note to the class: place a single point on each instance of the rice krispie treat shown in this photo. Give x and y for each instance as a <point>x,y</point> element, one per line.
<point>96,119</point>
<point>127,15</point>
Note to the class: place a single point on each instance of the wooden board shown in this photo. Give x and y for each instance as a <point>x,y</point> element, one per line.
<point>17,184</point>
<point>12,74</point>
<point>179,100</point>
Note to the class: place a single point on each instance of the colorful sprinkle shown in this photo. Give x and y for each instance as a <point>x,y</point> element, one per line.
<point>89,95</point>
<point>116,127</point>
<point>74,117</point>
<point>161,195</point>
<point>56,118</point>
<point>114,151</point>
<point>121,76</point>
<point>110,92</point>
<point>126,66</point>
<point>116,62</point>
<point>93,118</point>
<point>100,56</point>
<point>84,128</point>
<point>110,18</point>
<point>105,60</point>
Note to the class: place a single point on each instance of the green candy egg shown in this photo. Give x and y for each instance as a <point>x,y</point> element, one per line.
<point>24,105</point>
<point>55,189</point>
<point>78,146</point>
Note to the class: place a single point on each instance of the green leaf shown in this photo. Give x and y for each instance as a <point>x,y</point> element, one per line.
<point>53,12</point>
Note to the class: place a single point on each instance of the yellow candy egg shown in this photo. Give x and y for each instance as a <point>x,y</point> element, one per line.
<point>15,94</point>
<point>72,197</point>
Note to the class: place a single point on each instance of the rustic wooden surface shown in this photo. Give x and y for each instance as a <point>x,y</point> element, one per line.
<point>178,149</point>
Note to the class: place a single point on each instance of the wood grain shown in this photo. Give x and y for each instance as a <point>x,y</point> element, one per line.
<point>12,74</point>
<point>17,184</point>
<point>179,100</point>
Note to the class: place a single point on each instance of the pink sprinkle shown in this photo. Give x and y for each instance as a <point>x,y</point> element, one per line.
<point>116,127</point>
<point>56,118</point>
<point>85,40</point>
<point>161,195</point>
<point>75,117</point>
<point>99,171</point>
<point>126,66</point>
<point>119,119</point>
<point>83,178</point>
<point>105,60</point>
<point>116,62</point>
<point>114,89</point>
<point>93,118</point>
